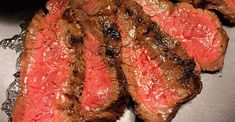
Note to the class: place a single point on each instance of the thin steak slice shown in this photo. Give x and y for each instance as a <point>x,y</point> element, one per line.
<point>160,74</point>
<point>199,31</point>
<point>104,96</point>
<point>46,69</point>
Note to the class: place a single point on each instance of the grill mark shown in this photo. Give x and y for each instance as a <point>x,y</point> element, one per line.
<point>112,31</point>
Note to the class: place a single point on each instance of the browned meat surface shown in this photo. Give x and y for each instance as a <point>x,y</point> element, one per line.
<point>199,31</point>
<point>68,70</point>
<point>226,7</point>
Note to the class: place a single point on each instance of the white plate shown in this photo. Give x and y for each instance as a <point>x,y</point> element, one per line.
<point>216,103</point>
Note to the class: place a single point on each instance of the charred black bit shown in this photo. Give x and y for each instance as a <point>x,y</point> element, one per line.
<point>189,70</point>
<point>129,12</point>
<point>75,40</point>
<point>110,30</point>
<point>146,31</point>
<point>155,27</point>
<point>159,39</point>
<point>138,19</point>
<point>118,3</point>
<point>111,53</point>
<point>179,60</point>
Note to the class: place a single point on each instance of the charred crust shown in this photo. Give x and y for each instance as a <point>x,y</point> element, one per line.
<point>112,31</point>
<point>76,40</point>
<point>129,12</point>
<point>138,19</point>
<point>146,31</point>
<point>118,3</point>
<point>155,27</point>
<point>179,60</point>
<point>111,53</point>
<point>188,70</point>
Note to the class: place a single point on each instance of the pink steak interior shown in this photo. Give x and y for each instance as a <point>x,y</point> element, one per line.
<point>197,33</point>
<point>98,85</point>
<point>47,68</point>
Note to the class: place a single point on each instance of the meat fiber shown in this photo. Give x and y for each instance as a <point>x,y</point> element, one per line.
<point>68,72</point>
<point>226,7</point>
<point>199,31</point>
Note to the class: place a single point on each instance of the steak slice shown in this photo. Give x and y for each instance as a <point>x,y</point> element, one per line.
<point>103,96</point>
<point>46,68</point>
<point>199,31</point>
<point>160,74</point>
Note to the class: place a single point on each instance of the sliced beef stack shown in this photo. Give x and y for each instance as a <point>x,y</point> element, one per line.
<point>199,31</point>
<point>226,7</point>
<point>80,54</point>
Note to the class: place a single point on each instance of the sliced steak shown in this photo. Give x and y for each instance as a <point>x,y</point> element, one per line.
<point>46,68</point>
<point>199,31</point>
<point>68,72</point>
<point>104,96</point>
<point>160,74</point>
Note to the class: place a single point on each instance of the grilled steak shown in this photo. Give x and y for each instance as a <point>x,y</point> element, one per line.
<point>103,97</point>
<point>68,72</point>
<point>226,7</point>
<point>46,67</point>
<point>199,31</point>
<point>160,75</point>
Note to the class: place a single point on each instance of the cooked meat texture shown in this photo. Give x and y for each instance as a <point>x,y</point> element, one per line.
<point>160,74</point>
<point>68,72</point>
<point>226,7</point>
<point>104,96</point>
<point>199,31</point>
<point>46,68</point>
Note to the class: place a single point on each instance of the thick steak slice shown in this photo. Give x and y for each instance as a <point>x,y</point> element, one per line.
<point>199,31</point>
<point>103,97</point>
<point>46,69</point>
<point>160,74</point>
